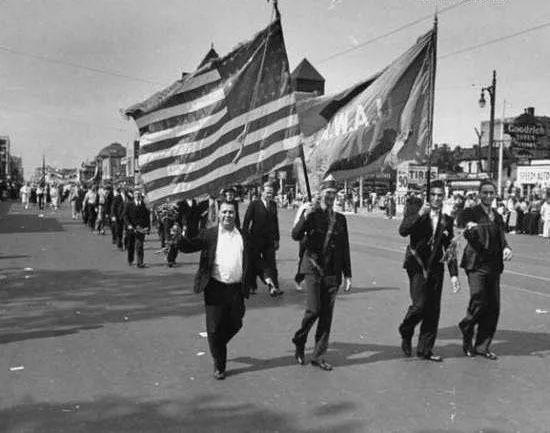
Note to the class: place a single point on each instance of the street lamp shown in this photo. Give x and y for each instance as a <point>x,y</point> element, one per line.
<point>491,90</point>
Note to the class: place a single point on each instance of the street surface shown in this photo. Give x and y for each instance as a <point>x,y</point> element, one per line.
<point>88,344</point>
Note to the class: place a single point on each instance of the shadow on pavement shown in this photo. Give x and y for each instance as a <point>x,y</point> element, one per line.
<point>21,256</point>
<point>207,413</point>
<point>45,303</point>
<point>48,303</point>
<point>342,354</point>
<point>18,223</point>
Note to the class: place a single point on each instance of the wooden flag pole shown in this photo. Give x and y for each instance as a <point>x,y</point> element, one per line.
<point>302,155</point>
<point>304,167</point>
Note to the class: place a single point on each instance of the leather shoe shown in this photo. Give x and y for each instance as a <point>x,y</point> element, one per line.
<point>431,357</point>
<point>468,350</point>
<point>406,347</point>
<point>219,375</point>
<point>487,354</point>
<point>299,354</point>
<point>322,364</point>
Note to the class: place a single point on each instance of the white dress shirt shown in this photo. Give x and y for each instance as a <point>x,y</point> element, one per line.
<point>434,215</point>
<point>228,263</point>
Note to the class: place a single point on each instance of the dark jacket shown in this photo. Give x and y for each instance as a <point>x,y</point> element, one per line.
<point>190,216</point>
<point>261,224</point>
<point>426,249</point>
<point>206,242</point>
<point>136,216</point>
<point>117,207</point>
<point>334,260</point>
<point>479,247</point>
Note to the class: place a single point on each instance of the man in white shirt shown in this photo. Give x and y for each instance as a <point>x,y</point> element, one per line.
<point>222,276</point>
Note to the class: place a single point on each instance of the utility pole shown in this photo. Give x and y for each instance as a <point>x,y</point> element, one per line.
<point>491,90</point>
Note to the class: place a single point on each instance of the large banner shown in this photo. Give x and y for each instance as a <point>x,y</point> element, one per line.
<point>376,124</point>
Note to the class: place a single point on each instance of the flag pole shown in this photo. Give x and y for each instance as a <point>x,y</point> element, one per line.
<point>304,168</point>
<point>432,97</point>
<point>277,14</point>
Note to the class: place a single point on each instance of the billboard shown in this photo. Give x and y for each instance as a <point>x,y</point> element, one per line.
<point>533,175</point>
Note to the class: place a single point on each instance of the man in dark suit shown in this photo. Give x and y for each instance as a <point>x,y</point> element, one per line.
<point>229,196</point>
<point>326,259</point>
<point>482,260</point>
<point>117,222</point>
<point>261,229</point>
<point>189,215</point>
<point>431,233</point>
<point>138,224</point>
<point>222,276</point>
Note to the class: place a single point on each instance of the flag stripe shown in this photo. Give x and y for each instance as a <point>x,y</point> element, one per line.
<point>200,147</point>
<point>224,174</point>
<point>149,144</point>
<point>223,155</point>
<point>176,110</point>
<point>199,79</point>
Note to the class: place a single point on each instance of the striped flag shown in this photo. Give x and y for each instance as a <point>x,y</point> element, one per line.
<point>231,121</point>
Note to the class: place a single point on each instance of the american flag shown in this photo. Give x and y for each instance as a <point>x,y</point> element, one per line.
<point>231,121</point>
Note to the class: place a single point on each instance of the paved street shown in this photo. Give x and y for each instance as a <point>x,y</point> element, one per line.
<point>88,344</point>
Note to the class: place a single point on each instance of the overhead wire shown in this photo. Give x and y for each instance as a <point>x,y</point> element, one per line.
<point>494,41</point>
<point>75,65</point>
<point>391,32</point>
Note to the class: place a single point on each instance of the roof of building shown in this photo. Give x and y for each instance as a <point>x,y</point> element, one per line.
<point>306,71</point>
<point>210,55</point>
<point>113,150</point>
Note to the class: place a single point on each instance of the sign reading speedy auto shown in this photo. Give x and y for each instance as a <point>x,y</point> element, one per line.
<point>534,174</point>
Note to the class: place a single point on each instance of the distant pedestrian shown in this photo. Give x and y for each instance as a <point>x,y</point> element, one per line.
<point>137,219</point>
<point>261,228</point>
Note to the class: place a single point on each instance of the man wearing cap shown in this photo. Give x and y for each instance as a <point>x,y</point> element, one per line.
<point>137,220</point>
<point>326,259</point>
<point>431,233</point>
<point>261,228</point>
<point>222,276</point>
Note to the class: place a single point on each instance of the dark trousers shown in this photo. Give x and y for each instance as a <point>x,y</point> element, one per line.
<point>264,263</point>
<point>483,309</point>
<point>172,252</point>
<point>320,300</point>
<point>92,216</point>
<point>117,229</point>
<point>224,305</point>
<point>425,309</point>
<point>135,241</point>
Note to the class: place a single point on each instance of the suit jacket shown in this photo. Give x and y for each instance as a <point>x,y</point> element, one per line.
<point>117,207</point>
<point>478,239</point>
<point>334,260</point>
<point>426,249</point>
<point>261,224</point>
<point>136,215</point>
<point>190,216</point>
<point>206,242</point>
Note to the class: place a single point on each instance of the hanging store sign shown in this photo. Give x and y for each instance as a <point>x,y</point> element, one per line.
<point>533,175</point>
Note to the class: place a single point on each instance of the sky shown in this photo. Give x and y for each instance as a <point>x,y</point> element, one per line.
<point>69,113</point>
